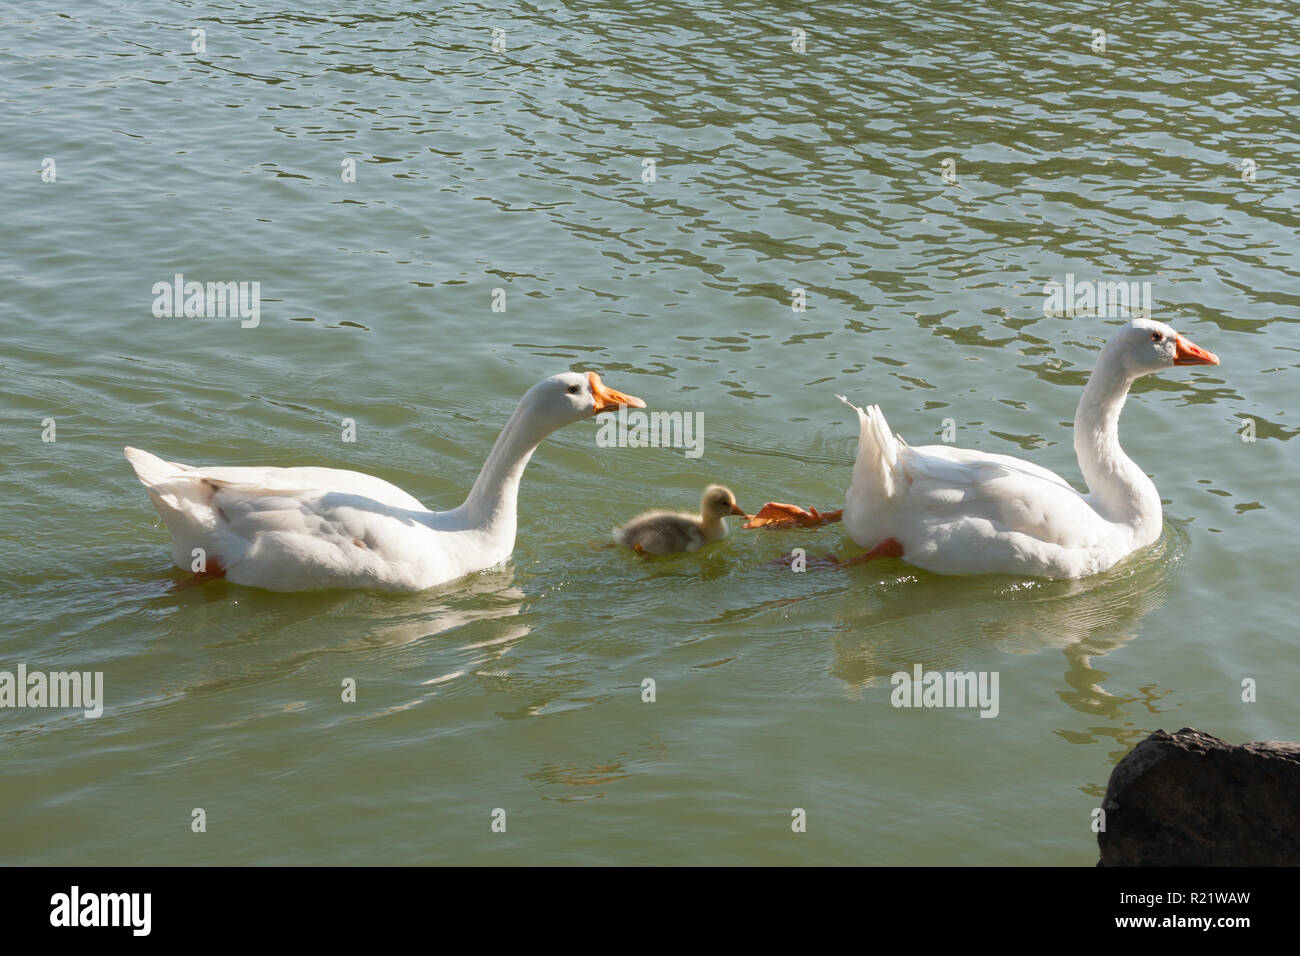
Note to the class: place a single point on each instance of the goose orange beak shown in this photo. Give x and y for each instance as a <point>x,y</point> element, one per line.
<point>608,400</point>
<point>1189,353</point>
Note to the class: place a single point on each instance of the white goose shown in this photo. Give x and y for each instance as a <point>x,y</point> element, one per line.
<point>957,511</point>
<point>299,529</point>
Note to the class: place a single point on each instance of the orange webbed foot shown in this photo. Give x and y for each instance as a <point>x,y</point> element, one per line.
<point>775,514</point>
<point>215,572</point>
<point>809,562</point>
<point>889,548</point>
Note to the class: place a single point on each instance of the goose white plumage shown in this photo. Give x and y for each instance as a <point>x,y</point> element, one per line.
<point>959,511</point>
<point>299,529</point>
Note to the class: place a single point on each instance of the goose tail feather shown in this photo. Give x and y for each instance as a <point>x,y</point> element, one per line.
<point>183,499</point>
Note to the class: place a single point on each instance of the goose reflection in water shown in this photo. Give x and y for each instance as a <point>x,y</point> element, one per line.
<point>879,630</point>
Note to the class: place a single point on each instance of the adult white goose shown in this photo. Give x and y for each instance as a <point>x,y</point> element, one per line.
<point>958,511</point>
<point>299,529</point>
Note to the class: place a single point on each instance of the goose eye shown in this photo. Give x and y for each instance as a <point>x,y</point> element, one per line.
<point>574,389</point>
<point>1157,337</point>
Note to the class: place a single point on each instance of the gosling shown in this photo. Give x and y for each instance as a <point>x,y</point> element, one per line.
<point>671,532</point>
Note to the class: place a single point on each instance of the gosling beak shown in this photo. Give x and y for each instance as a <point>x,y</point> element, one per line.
<point>1189,353</point>
<point>737,510</point>
<point>608,400</point>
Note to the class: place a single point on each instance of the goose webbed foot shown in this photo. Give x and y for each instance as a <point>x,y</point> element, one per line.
<point>216,572</point>
<point>775,514</point>
<point>889,548</point>
<point>808,562</point>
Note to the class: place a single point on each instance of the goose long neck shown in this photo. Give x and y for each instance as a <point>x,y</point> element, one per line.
<point>1120,490</point>
<point>492,501</point>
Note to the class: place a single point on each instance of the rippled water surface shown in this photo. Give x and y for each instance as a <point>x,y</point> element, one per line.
<point>524,170</point>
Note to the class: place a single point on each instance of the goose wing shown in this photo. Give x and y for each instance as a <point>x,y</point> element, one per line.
<point>947,484</point>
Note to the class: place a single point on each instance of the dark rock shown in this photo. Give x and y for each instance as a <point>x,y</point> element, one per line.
<point>1189,799</point>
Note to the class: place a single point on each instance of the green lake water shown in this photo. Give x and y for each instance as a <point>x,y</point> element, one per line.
<point>524,169</point>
